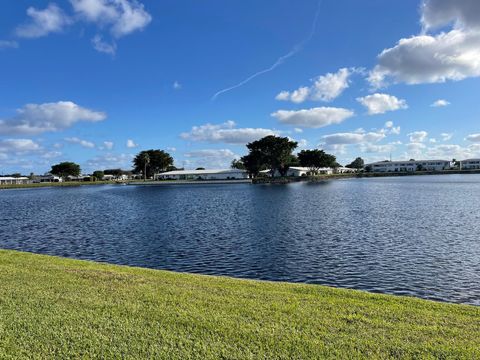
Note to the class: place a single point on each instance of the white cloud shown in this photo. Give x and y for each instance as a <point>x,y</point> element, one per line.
<point>34,119</point>
<point>389,126</point>
<point>51,154</point>
<point>440,103</point>
<point>131,144</point>
<point>226,133</point>
<point>381,103</point>
<point>171,149</point>
<point>418,136</point>
<point>5,44</point>
<point>446,136</point>
<point>435,58</point>
<point>108,145</point>
<point>352,138</point>
<point>122,16</point>
<point>298,130</point>
<point>103,46</point>
<point>379,149</point>
<point>176,85</point>
<point>43,22</point>
<point>109,161</point>
<point>18,146</point>
<point>324,88</point>
<point>313,118</point>
<point>473,138</point>
<point>460,13</point>
<point>211,158</point>
<point>211,153</point>
<point>81,142</point>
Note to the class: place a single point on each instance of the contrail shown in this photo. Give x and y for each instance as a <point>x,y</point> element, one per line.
<point>280,60</point>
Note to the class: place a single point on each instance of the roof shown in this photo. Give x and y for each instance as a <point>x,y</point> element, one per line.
<point>13,178</point>
<point>470,160</point>
<point>405,161</point>
<point>203,172</point>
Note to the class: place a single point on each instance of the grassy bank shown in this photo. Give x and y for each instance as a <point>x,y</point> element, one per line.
<point>56,184</point>
<point>54,307</point>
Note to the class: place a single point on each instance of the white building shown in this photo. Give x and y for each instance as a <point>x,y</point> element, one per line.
<point>221,174</point>
<point>409,166</point>
<point>305,171</point>
<point>47,178</point>
<point>470,164</point>
<point>8,180</point>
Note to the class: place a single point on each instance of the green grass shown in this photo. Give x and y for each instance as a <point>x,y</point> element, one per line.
<point>60,308</point>
<point>59,184</point>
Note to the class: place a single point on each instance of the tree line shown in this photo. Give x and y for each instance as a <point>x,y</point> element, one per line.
<point>272,153</point>
<point>275,154</point>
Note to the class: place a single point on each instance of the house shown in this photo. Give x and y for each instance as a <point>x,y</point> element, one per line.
<point>8,180</point>
<point>47,178</point>
<point>221,174</point>
<point>470,164</point>
<point>409,166</point>
<point>295,171</point>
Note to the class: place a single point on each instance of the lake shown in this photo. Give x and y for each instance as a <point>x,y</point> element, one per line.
<point>417,235</point>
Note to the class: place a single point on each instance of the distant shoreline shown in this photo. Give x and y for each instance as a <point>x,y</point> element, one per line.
<point>266,180</point>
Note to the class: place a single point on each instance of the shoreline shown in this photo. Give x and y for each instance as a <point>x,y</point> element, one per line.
<point>266,180</point>
<point>60,307</point>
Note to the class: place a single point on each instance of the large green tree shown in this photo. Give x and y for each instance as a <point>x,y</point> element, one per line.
<point>150,162</point>
<point>358,164</point>
<point>237,164</point>
<point>98,175</point>
<point>316,159</point>
<point>65,169</point>
<point>253,163</point>
<point>273,152</point>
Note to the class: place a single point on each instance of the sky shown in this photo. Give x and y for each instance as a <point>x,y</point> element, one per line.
<point>97,81</point>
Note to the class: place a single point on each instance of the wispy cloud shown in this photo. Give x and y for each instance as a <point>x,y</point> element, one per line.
<point>296,49</point>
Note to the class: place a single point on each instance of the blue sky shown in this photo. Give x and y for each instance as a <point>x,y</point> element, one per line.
<point>96,81</point>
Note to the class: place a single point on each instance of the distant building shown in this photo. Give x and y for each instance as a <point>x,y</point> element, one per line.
<point>8,180</point>
<point>47,178</point>
<point>470,164</point>
<point>222,174</point>
<point>409,166</point>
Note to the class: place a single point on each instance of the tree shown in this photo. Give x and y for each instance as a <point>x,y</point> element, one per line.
<point>114,172</point>
<point>237,164</point>
<point>98,175</point>
<point>272,152</point>
<point>65,169</point>
<point>291,161</point>
<point>358,164</point>
<point>316,159</point>
<point>200,168</point>
<point>253,163</point>
<point>150,162</point>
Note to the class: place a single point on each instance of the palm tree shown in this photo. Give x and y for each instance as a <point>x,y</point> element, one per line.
<point>146,161</point>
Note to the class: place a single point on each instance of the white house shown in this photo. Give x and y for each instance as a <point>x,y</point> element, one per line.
<point>304,171</point>
<point>8,180</point>
<point>470,164</point>
<point>220,174</point>
<point>47,178</point>
<point>409,166</point>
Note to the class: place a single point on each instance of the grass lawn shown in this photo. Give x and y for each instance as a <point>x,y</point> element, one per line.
<point>60,308</point>
<point>59,184</point>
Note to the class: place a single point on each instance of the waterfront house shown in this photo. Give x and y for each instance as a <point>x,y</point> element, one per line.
<point>409,166</point>
<point>47,178</point>
<point>470,164</point>
<point>8,180</point>
<point>220,174</point>
<point>295,171</point>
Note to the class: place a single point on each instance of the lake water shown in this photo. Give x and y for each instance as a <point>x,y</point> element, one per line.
<point>415,235</point>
